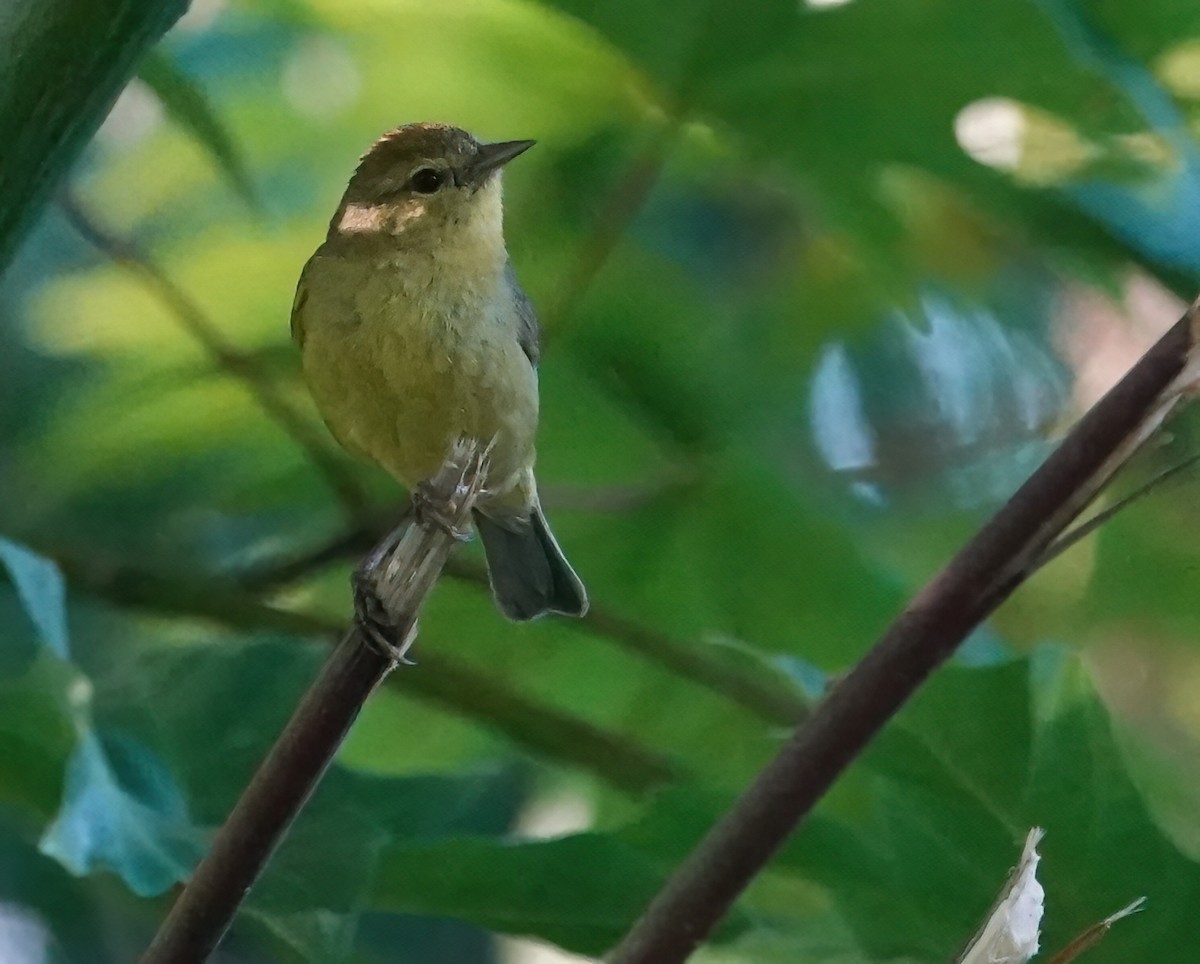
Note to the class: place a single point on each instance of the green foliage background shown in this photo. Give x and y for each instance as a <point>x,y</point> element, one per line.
<point>739,219</point>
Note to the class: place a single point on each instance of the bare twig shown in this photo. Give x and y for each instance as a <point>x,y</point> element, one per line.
<point>285,570</point>
<point>1096,933</point>
<point>238,364</point>
<point>402,577</point>
<point>762,694</point>
<point>614,499</point>
<point>1077,534</point>
<point>927,632</point>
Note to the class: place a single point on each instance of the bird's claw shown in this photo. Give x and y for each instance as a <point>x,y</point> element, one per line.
<point>429,511</point>
<point>376,624</point>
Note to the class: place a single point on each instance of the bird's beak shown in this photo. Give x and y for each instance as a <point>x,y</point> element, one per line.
<point>492,157</point>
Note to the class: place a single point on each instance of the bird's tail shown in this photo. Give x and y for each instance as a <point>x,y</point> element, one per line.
<point>529,573</point>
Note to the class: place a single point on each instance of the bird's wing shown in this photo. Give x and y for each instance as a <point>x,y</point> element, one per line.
<point>528,332</point>
<point>298,307</point>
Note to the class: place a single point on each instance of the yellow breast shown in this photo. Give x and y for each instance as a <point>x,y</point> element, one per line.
<point>401,368</point>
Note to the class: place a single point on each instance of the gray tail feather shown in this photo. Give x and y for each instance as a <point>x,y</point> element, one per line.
<point>529,573</point>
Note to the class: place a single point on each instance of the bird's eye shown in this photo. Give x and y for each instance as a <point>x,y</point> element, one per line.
<point>427,180</point>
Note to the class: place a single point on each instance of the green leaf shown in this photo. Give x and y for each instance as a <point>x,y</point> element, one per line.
<point>123,812</point>
<point>36,735</point>
<point>819,940</point>
<point>979,757</point>
<point>187,104</point>
<point>580,892</point>
<point>816,90</point>
<point>62,64</point>
<point>318,884</point>
<point>313,892</point>
<point>214,754</point>
<point>40,586</point>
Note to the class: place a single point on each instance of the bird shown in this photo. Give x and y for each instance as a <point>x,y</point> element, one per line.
<point>414,333</point>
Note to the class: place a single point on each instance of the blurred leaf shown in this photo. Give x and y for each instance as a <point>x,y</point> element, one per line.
<point>36,735</point>
<point>123,812</point>
<point>320,882</point>
<point>816,89</point>
<point>580,892</point>
<point>187,104</point>
<point>956,788</point>
<point>64,906</point>
<point>62,64</point>
<point>819,941</point>
<point>739,554</point>
<point>814,187</point>
<point>314,891</point>
<point>40,587</point>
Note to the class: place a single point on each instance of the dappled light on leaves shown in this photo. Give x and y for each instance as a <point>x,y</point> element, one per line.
<point>990,131</point>
<point>821,283</point>
<point>968,409</point>
<point>122,812</point>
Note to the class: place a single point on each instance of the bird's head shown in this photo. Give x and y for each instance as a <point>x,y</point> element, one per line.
<point>427,184</point>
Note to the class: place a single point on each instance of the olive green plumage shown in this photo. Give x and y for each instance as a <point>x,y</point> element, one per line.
<point>414,333</point>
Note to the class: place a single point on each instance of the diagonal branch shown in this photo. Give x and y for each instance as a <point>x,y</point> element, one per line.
<point>241,366</point>
<point>983,574</point>
<point>277,791</point>
<point>398,576</point>
<point>1078,533</point>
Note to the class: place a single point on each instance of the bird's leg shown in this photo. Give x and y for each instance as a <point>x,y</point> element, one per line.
<point>429,509</point>
<point>375,623</point>
<point>378,627</point>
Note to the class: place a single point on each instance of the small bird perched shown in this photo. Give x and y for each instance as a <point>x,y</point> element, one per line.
<point>414,333</point>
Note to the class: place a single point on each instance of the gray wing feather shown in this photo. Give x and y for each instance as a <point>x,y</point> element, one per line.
<point>528,332</point>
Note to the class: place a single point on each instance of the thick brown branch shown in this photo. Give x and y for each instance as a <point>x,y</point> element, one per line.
<point>925,634</point>
<point>402,576</point>
<point>270,802</point>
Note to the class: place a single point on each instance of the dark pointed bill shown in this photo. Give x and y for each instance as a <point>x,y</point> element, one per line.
<point>492,157</point>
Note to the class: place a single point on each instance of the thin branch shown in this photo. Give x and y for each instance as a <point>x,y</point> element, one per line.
<point>762,694</point>
<point>768,698</point>
<point>983,574</point>
<point>1078,533</point>
<point>1096,933</point>
<point>614,499</point>
<point>283,783</point>
<point>400,575</point>
<point>617,213</point>
<point>238,364</point>
<point>541,730</point>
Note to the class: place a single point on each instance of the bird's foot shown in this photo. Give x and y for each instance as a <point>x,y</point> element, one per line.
<point>375,622</point>
<point>429,510</point>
